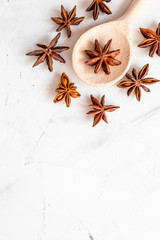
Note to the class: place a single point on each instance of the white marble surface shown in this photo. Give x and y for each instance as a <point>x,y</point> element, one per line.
<point>59,177</point>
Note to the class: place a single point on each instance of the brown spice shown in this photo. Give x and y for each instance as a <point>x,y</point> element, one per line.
<point>153,40</point>
<point>96,5</point>
<point>66,90</point>
<point>102,58</point>
<point>49,53</point>
<point>67,20</point>
<point>136,81</point>
<point>99,109</point>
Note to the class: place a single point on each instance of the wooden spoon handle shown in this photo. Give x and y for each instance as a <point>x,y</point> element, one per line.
<point>135,8</point>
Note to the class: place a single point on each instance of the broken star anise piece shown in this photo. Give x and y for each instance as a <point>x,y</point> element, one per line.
<point>66,90</point>
<point>99,109</point>
<point>102,58</point>
<point>137,81</point>
<point>67,20</point>
<point>49,53</point>
<point>96,5</point>
<point>152,40</point>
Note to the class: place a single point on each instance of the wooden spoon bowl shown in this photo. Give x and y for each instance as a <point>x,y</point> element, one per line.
<point>120,33</point>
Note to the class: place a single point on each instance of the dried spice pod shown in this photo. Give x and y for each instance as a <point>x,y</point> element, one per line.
<point>67,20</point>
<point>152,40</point>
<point>49,53</point>
<point>136,81</point>
<point>66,90</point>
<point>96,6</point>
<point>102,58</point>
<point>100,109</point>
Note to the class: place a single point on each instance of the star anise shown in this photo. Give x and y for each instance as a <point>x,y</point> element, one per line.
<point>67,20</point>
<point>102,58</point>
<point>99,109</point>
<point>96,5</point>
<point>153,40</point>
<point>49,53</point>
<point>136,81</point>
<point>66,90</point>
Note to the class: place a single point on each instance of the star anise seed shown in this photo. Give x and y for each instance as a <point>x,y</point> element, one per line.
<point>49,53</point>
<point>96,5</point>
<point>99,109</point>
<point>67,20</point>
<point>102,58</point>
<point>66,90</point>
<point>152,40</point>
<point>136,81</point>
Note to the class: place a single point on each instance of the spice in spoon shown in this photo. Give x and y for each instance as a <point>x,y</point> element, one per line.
<point>102,58</point>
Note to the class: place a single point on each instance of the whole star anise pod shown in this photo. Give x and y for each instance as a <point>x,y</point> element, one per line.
<point>136,81</point>
<point>100,109</point>
<point>66,90</point>
<point>96,5</point>
<point>153,40</point>
<point>102,58</point>
<point>67,20</point>
<point>49,53</point>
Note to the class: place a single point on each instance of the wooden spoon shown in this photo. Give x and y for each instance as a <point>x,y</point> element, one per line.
<point>120,33</point>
